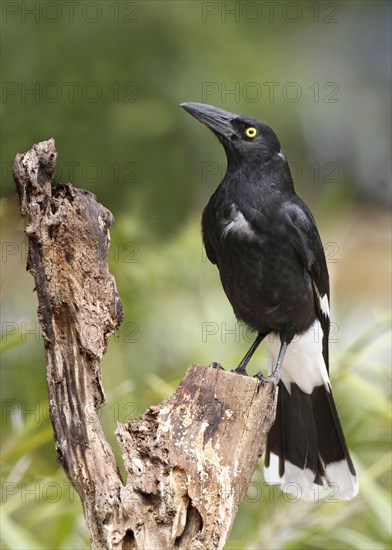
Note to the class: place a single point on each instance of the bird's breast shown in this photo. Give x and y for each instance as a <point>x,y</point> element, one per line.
<point>260,271</point>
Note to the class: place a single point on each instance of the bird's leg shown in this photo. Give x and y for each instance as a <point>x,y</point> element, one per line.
<point>241,369</point>
<point>274,377</point>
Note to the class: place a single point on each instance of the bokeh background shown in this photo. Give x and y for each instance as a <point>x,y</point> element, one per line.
<point>105,80</point>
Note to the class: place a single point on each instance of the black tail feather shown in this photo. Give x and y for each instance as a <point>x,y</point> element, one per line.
<point>307,434</point>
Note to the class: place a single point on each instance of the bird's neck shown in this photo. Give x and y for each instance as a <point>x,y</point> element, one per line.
<point>269,175</point>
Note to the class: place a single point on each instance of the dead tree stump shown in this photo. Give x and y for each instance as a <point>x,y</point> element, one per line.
<point>190,459</point>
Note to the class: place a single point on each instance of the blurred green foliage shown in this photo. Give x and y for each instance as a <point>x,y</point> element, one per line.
<point>105,80</point>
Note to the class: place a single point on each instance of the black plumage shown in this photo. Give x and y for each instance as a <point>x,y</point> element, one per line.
<point>265,243</point>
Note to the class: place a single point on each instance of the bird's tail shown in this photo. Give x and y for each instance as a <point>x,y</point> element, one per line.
<point>306,450</point>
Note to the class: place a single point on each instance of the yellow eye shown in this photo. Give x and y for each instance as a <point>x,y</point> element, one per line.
<point>251,132</point>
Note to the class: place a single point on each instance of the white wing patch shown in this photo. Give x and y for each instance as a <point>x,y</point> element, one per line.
<point>323,301</point>
<point>239,224</point>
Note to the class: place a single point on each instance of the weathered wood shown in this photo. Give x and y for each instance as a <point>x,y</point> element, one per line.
<point>188,460</point>
<point>201,447</point>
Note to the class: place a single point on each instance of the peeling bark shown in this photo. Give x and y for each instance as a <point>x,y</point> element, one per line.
<point>190,459</point>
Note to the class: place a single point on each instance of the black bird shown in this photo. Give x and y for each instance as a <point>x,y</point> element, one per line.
<point>265,243</point>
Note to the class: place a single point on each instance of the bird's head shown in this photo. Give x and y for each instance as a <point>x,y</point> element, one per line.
<point>243,138</point>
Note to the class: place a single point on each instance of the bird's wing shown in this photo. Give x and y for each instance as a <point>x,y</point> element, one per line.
<point>208,229</point>
<point>310,450</point>
<point>209,249</point>
<point>301,230</point>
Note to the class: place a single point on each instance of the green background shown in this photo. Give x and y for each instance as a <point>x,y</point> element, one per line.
<point>105,80</point>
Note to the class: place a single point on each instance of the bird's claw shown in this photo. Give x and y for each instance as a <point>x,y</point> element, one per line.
<point>240,370</point>
<point>216,365</point>
<point>260,377</point>
<point>271,379</point>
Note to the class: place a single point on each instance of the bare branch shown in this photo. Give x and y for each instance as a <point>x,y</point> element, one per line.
<point>190,459</point>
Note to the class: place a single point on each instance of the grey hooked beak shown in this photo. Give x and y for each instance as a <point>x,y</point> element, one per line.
<point>217,120</point>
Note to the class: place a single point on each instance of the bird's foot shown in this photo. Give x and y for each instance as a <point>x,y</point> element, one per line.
<point>271,379</point>
<point>240,370</point>
<point>215,365</point>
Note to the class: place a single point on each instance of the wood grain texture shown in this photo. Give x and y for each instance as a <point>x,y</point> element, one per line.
<point>190,459</point>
